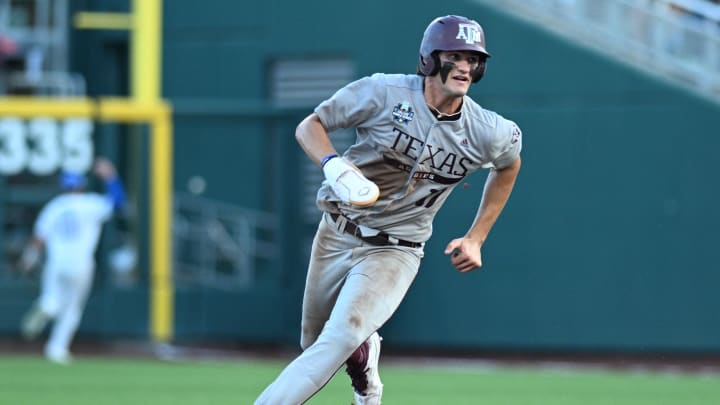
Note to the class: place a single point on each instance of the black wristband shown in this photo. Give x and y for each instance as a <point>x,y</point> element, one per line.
<point>327,158</point>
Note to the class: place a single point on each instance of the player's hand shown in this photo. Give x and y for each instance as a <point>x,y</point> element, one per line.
<point>29,259</point>
<point>464,254</point>
<point>349,183</point>
<point>104,168</point>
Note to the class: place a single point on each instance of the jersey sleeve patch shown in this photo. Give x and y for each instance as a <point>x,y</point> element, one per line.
<point>509,146</point>
<point>516,134</point>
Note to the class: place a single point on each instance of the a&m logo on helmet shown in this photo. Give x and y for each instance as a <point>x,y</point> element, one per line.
<point>470,33</point>
<point>403,113</point>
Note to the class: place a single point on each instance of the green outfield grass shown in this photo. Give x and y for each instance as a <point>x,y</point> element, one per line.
<point>30,380</point>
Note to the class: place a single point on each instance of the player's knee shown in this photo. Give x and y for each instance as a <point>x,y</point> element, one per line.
<point>307,340</point>
<point>50,307</point>
<point>347,339</point>
<point>309,333</point>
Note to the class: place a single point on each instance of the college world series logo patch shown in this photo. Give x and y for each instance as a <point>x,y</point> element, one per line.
<point>403,113</point>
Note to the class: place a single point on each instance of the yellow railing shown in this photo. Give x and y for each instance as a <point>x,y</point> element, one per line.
<point>145,105</point>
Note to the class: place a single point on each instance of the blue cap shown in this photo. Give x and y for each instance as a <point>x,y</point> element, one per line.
<point>71,181</point>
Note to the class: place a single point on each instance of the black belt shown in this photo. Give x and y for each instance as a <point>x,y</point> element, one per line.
<point>381,239</point>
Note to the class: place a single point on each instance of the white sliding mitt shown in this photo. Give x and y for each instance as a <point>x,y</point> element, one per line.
<point>349,183</point>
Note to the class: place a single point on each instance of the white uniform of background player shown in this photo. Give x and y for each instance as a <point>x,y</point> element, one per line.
<point>418,137</point>
<point>68,228</point>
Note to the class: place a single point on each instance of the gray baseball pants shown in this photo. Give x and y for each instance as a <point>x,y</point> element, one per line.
<point>352,289</point>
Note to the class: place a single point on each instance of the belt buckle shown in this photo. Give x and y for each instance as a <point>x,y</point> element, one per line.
<point>340,221</point>
<point>344,225</point>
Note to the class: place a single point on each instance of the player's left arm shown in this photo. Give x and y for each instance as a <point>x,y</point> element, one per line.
<point>465,251</point>
<point>105,170</point>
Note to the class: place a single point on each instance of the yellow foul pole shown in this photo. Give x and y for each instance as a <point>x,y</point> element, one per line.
<point>146,74</point>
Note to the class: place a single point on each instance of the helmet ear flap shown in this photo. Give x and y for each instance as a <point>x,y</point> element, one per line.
<point>429,66</point>
<point>479,71</point>
<point>436,63</point>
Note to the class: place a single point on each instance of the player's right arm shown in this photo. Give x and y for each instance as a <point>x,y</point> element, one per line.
<point>31,255</point>
<point>346,180</point>
<point>314,139</point>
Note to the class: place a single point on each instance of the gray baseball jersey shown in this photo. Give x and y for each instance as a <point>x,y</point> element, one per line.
<point>415,159</point>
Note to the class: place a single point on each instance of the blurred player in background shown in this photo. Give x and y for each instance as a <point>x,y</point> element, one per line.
<point>67,230</point>
<point>418,137</point>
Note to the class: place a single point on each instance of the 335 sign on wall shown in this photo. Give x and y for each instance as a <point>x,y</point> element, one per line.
<point>44,145</point>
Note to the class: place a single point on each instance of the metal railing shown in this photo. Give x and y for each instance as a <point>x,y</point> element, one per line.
<point>38,64</point>
<point>218,244</point>
<point>678,40</point>
<point>44,83</point>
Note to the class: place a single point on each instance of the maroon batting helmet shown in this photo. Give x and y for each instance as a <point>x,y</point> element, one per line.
<point>451,33</point>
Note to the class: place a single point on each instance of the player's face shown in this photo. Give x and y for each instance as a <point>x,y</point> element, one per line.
<point>460,76</point>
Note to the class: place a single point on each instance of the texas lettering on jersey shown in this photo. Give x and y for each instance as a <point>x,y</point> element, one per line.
<point>437,158</point>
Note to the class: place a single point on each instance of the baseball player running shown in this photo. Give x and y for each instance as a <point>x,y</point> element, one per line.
<point>418,137</point>
<point>68,228</point>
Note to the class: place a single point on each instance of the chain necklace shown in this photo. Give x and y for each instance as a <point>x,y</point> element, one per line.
<point>439,114</point>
